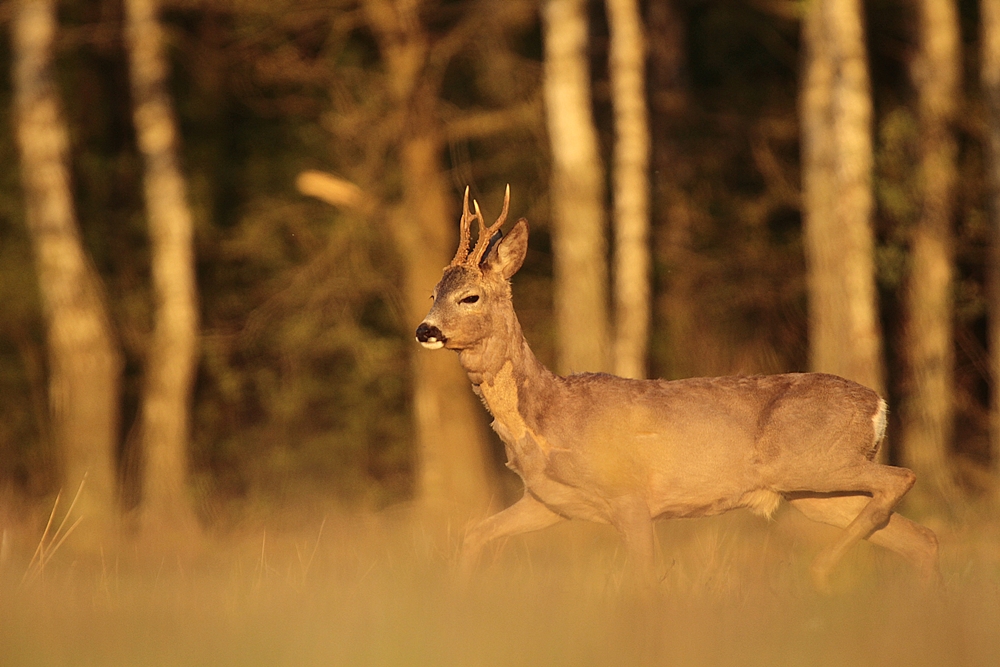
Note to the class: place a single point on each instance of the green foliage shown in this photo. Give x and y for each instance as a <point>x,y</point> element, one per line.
<point>303,381</point>
<point>896,193</point>
<point>309,389</point>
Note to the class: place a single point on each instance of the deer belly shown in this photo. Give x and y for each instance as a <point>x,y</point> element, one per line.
<point>691,493</point>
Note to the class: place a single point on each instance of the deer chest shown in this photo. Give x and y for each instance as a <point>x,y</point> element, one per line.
<point>551,476</point>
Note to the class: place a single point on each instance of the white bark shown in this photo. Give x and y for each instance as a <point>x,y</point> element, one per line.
<point>578,218</point>
<point>85,364</point>
<point>631,188</point>
<point>172,354</point>
<point>929,409</point>
<point>845,336</point>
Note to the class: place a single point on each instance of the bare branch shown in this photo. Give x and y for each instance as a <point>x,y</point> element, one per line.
<point>481,124</point>
<point>334,190</point>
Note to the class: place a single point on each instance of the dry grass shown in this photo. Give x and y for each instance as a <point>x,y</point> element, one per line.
<point>377,590</point>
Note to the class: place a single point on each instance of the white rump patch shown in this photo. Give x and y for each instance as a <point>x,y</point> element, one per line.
<point>762,502</point>
<point>879,421</point>
<point>432,343</point>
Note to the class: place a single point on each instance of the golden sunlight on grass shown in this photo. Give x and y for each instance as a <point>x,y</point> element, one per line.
<point>377,590</point>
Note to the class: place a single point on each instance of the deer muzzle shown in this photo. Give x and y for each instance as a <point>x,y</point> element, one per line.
<point>430,336</point>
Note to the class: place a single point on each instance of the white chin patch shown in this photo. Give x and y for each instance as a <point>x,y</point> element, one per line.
<point>432,344</point>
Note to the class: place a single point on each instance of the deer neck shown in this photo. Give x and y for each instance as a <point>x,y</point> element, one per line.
<point>507,376</point>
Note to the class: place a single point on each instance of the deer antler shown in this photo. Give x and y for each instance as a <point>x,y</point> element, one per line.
<point>486,233</point>
<point>464,228</point>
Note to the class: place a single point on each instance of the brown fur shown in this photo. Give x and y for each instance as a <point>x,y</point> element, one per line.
<point>625,452</point>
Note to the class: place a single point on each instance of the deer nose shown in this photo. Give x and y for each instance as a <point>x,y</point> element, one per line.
<point>430,336</point>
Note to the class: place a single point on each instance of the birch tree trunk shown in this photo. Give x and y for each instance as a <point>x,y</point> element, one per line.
<point>844,332</point>
<point>578,219</point>
<point>928,410</point>
<point>990,74</point>
<point>631,188</point>
<point>172,353</point>
<point>84,360</point>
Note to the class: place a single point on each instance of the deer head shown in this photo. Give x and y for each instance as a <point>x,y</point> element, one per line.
<point>472,301</point>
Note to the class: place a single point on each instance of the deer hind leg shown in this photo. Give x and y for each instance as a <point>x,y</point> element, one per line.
<point>872,518</point>
<point>526,515</point>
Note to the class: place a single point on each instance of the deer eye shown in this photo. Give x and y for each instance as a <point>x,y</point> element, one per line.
<point>472,298</point>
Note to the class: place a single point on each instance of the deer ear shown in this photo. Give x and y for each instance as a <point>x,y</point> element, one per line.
<point>507,255</point>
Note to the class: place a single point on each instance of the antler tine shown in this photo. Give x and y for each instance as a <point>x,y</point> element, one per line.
<point>465,227</point>
<point>486,233</point>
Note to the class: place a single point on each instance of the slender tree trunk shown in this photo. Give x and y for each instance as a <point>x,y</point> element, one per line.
<point>172,353</point>
<point>631,188</point>
<point>928,411</point>
<point>990,25</point>
<point>85,364</point>
<point>578,219</point>
<point>454,470</point>
<point>453,474</point>
<point>845,336</point>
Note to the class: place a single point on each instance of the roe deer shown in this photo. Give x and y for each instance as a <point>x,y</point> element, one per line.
<point>625,452</point>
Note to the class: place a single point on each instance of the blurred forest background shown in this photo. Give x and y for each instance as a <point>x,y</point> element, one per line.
<point>221,220</point>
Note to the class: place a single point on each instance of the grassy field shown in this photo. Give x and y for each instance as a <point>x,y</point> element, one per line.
<point>378,590</point>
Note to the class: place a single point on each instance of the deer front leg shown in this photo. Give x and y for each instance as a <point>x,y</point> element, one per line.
<point>526,515</point>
